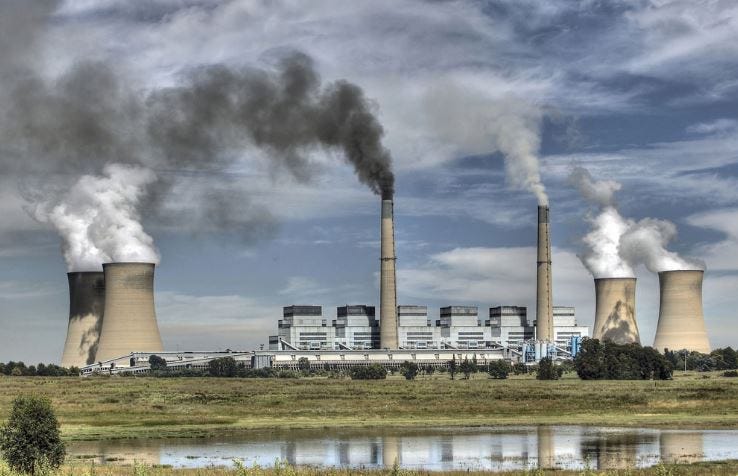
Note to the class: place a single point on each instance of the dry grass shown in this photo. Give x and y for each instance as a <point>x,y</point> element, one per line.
<point>100,408</point>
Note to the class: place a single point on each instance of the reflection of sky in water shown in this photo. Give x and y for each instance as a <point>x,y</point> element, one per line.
<point>493,449</point>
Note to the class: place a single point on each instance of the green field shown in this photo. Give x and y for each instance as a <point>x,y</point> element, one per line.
<point>104,407</point>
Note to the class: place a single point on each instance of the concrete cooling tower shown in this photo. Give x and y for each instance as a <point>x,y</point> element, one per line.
<point>130,323</point>
<point>86,305</point>
<point>387,280</point>
<point>615,311</point>
<point>544,306</point>
<point>681,323</point>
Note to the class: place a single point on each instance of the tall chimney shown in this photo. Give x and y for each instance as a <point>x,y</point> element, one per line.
<point>86,305</point>
<point>615,312</point>
<point>681,323</point>
<point>130,324</point>
<point>387,279</point>
<point>544,307</point>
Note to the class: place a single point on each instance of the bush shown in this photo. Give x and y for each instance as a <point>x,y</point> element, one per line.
<point>30,439</point>
<point>303,364</point>
<point>157,363</point>
<point>520,369</point>
<point>730,373</point>
<point>468,367</point>
<point>499,369</point>
<point>547,370</point>
<point>372,372</point>
<point>223,367</point>
<point>409,370</point>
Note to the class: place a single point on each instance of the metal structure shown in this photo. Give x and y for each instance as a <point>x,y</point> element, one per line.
<point>681,322</point>
<point>86,306</point>
<point>387,279</point>
<point>615,311</point>
<point>130,323</point>
<point>544,305</point>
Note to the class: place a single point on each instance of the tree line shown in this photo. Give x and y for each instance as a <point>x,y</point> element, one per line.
<point>607,360</point>
<point>20,369</point>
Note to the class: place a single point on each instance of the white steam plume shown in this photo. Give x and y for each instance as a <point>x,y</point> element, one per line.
<point>645,242</point>
<point>99,221</point>
<point>615,246</point>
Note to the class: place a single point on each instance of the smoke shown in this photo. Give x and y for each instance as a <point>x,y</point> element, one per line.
<point>92,114</point>
<point>99,220</point>
<point>615,246</point>
<point>517,135</point>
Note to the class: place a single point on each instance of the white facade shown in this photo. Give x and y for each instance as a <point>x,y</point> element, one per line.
<point>415,330</point>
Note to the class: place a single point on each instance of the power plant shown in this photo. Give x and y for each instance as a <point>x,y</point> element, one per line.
<point>387,278</point>
<point>681,323</point>
<point>544,305</point>
<point>86,306</point>
<point>615,311</point>
<point>130,317</point>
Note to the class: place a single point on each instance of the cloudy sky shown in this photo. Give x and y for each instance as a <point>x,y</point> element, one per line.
<point>640,92</point>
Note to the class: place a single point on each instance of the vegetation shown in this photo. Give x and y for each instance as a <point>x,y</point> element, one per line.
<point>547,370</point>
<point>118,407</point>
<point>409,370</point>
<point>370,372</point>
<point>157,363</point>
<point>19,369</point>
<point>718,359</point>
<point>499,369</point>
<point>716,468</point>
<point>606,360</point>
<point>30,440</point>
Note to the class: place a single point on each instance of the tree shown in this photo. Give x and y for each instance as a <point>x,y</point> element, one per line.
<point>303,364</point>
<point>409,370</point>
<point>370,372</point>
<point>452,367</point>
<point>590,360</point>
<point>499,369</point>
<point>223,367</point>
<point>468,367</point>
<point>547,370</point>
<point>157,363</point>
<point>31,439</point>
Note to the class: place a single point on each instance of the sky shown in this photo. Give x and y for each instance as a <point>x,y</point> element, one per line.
<point>635,91</point>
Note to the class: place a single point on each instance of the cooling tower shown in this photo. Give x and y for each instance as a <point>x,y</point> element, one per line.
<point>681,323</point>
<point>130,324</point>
<point>544,307</point>
<point>387,282</point>
<point>86,305</point>
<point>615,312</point>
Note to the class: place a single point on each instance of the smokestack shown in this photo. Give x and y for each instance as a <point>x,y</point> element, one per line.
<point>387,282</point>
<point>615,312</point>
<point>130,323</point>
<point>86,305</point>
<point>544,307</point>
<point>681,323</point>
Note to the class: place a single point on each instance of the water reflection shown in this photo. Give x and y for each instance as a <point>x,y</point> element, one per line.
<point>492,449</point>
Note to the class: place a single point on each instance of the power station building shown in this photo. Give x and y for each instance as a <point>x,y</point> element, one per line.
<point>458,327</point>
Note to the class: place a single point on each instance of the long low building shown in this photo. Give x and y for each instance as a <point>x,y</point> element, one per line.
<point>138,362</point>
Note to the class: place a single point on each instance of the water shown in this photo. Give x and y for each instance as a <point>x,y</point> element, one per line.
<point>486,448</point>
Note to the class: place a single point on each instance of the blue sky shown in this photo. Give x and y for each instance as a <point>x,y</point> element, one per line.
<point>641,92</point>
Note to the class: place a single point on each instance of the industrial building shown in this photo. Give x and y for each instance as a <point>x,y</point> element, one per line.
<point>458,327</point>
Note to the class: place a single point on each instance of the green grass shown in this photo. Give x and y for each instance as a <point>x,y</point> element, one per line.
<point>105,408</point>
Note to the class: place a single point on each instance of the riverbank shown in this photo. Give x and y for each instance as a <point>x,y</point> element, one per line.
<point>109,408</point>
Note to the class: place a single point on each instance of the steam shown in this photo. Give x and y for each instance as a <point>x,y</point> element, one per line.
<point>615,246</point>
<point>99,221</point>
<point>109,133</point>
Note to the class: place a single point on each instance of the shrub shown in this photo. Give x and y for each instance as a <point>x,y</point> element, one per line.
<point>468,367</point>
<point>499,369</point>
<point>730,373</point>
<point>31,439</point>
<point>303,364</point>
<point>597,361</point>
<point>223,367</point>
<point>157,363</point>
<point>371,372</point>
<point>547,370</point>
<point>409,370</point>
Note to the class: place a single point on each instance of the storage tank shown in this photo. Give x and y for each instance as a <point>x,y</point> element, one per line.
<point>86,306</point>
<point>130,324</point>
<point>681,322</point>
<point>615,311</point>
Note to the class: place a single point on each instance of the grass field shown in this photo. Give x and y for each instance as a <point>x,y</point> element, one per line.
<point>699,469</point>
<point>103,408</point>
